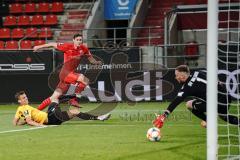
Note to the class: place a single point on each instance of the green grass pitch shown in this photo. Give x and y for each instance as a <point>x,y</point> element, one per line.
<point>123,137</point>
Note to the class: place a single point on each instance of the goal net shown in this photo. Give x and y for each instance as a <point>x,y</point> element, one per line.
<point>229,73</point>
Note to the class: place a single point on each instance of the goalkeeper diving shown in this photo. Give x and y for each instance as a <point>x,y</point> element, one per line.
<point>194,86</point>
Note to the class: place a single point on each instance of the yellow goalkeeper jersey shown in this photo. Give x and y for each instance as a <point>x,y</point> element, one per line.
<point>35,114</point>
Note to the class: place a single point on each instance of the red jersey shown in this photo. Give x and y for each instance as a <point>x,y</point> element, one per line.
<point>73,55</point>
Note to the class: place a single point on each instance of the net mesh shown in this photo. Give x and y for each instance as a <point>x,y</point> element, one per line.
<point>229,73</point>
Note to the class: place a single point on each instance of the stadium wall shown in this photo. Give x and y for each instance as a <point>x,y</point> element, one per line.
<point>123,70</point>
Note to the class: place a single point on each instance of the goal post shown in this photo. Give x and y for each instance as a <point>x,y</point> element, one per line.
<point>212,67</point>
<point>223,64</point>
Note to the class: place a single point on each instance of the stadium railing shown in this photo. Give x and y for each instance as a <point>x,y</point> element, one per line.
<point>175,51</point>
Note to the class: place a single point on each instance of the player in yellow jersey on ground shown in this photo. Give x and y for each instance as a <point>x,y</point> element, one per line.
<point>26,114</point>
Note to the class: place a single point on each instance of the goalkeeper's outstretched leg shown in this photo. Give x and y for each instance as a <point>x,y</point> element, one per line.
<point>224,115</point>
<point>230,119</point>
<point>198,108</point>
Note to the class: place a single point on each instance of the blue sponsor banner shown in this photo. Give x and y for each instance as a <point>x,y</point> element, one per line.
<point>118,9</point>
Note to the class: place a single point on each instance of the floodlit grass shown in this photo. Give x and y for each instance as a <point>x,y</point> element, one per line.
<point>123,137</point>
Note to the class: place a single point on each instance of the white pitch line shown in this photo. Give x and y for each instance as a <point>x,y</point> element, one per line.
<point>26,129</point>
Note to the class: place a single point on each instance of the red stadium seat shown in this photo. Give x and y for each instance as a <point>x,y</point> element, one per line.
<point>30,8</point>
<point>32,32</point>
<point>43,7</point>
<point>11,44</point>
<point>15,8</point>
<point>23,20</point>
<point>10,21</point>
<point>45,32</point>
<point>51,20</point>
<point>5,33</point>
<point>2,45</point>
<point>17,33</point>
<point>37,20</point>
<point>26,44</point>
<point>191,52</point>
<point>57,7</point>
<point>39,42</point>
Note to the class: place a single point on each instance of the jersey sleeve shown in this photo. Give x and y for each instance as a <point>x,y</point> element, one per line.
<point>18,114</point>
<point>62,47</point>
<point>182,94</point>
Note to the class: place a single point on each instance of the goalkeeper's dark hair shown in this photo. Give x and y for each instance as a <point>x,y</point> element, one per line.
<point>183,68</point>
<point>77,35</point>
<point>17,94</point>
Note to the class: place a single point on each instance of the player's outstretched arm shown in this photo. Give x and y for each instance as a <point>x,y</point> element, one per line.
<point>33,123</point>
<point>47,45</point>
<point>158,122</point>
<point>18,122</point>
<point>94,61</point>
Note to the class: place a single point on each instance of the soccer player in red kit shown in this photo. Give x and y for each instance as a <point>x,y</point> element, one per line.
<point>73,52</point>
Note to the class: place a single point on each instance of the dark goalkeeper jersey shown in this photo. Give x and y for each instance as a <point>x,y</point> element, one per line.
<point>195,86</point>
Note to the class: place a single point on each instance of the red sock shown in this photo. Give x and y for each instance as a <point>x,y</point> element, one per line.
<point>80,87</point>
<point>44,104</point>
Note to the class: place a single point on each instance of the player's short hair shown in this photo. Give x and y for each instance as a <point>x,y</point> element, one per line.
<point>18,94</point>
<point>77,35</point>
<point>183,68</point>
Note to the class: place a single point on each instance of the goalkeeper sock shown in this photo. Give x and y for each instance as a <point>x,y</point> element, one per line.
<point>86,116</point>
<point>230,119</point>
<point>233,120</point>
<point>44,104</point>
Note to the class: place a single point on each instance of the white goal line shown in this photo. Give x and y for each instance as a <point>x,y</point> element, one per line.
<point>26,129</point>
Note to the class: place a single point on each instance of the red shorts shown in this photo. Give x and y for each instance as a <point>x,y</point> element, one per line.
<point>71,78</point>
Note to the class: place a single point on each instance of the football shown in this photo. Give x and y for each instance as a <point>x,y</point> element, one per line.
<point>153,134</point>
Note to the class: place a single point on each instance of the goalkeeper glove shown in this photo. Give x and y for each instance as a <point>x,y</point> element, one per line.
<point>158,122</point>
